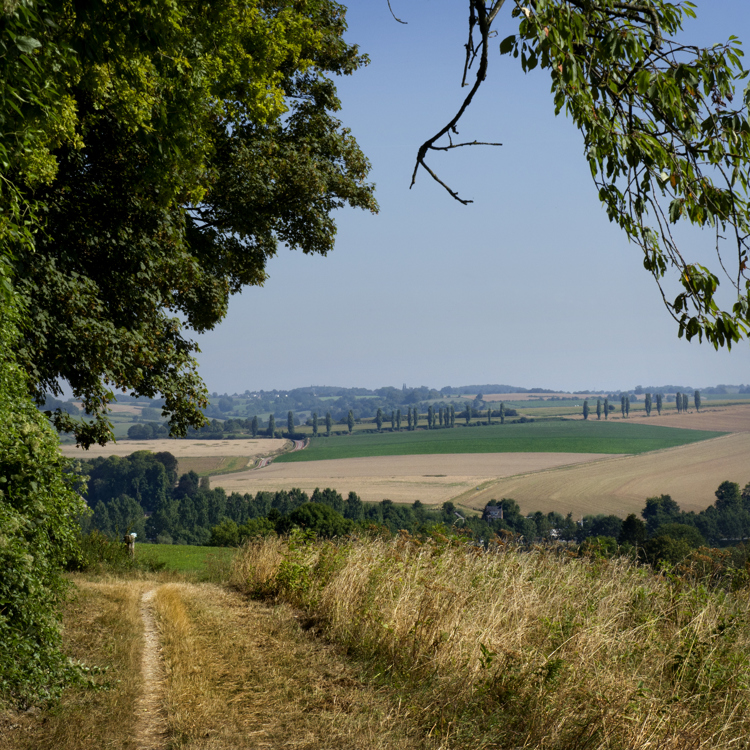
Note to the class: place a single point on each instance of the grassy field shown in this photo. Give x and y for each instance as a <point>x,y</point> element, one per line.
<point>533,437</point>
<point>184,558</point>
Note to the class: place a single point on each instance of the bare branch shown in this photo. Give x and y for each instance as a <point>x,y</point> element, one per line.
<point>394,15</point>
<point>468,143</point>
<point>483,21</point>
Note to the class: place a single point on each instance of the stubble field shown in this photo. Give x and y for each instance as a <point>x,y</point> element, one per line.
<point>690,474</point>
<point>403,479</point>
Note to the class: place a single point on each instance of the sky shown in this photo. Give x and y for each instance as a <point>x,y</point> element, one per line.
<point>530,285</point>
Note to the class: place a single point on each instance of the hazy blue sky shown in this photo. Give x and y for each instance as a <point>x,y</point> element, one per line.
<point>530,285</point>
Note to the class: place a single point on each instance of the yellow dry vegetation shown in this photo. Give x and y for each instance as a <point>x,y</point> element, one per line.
<point>532,648</point>
<point>250,447</point>
<point>403,479</point>
<point>223,673</point>
<point>241,675</point>
<point>103,628</point>
<point>620,485</point>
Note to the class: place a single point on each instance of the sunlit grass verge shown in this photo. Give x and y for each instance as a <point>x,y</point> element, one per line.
<point>242,676</point>
<point>525,649</point>
<point>102,628</point>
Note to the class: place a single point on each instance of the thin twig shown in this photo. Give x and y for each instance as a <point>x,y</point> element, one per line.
<point>394,15</point>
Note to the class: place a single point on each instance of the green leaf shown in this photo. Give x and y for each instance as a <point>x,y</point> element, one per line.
<point>27,44</point>
<point>507,44</point>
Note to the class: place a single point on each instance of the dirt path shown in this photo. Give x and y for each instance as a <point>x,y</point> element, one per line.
<point>151,723</point>
<point>298,446</point>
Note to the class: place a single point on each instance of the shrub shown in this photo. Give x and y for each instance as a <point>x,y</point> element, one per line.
<point>38,536</point>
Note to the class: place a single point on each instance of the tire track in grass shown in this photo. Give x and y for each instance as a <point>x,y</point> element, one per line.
<point>151,725</point>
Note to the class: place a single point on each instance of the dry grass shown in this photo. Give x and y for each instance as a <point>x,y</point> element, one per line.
<point>429,478</point>
<point>185,448</point>
<point>689,473</point>
<point>512,650</point>
<point>103,628</point>
<point>242,675</point>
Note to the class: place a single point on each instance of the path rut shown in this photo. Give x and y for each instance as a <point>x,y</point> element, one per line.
<point>151,725</point>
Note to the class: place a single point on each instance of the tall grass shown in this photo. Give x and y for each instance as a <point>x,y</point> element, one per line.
<point>526,649</point>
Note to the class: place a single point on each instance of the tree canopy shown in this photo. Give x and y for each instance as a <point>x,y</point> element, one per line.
<point>165,150</point>
<point>665,134</point>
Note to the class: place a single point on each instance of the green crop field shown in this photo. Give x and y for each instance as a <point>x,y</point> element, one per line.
<point>531,437</point>
<point>185,558</point>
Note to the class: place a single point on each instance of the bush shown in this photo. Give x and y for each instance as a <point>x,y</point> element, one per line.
<point>38,511</point>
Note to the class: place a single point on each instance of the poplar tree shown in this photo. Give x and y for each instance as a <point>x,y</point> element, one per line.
<point>685,402</point>
<point>697,399</point>
<point>271,426</point>
<point>254,427</point>
<point>378,420</point>
<point>678,402</point>
<point>453,416</point>
<point>329,422</point>
<point>598,408</point>
<point>659,401</point>
<point>648,405</point>
<point>502,412</point>
<point>393,421</point>
<point>585,408</point>
<point>398,419</point>
<point>622,405</point>
<point>489,415</point>
<point>627,406</point>
<point>430,416</point>
<point>408,415</point>
<point>440,416</point>
<point>468,413</point>
<point>315,424</point>
<point>290,424</point>
<point>350,421</point>
<point>606,408</point>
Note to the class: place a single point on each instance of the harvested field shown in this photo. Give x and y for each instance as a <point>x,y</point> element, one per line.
<point>184,448</point>
<point>403,479</point>
<point>721,419</point>
<point>689,473</point>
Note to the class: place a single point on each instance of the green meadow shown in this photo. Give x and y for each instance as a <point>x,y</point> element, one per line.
<point>531,437</point>
<point>185,558</point>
